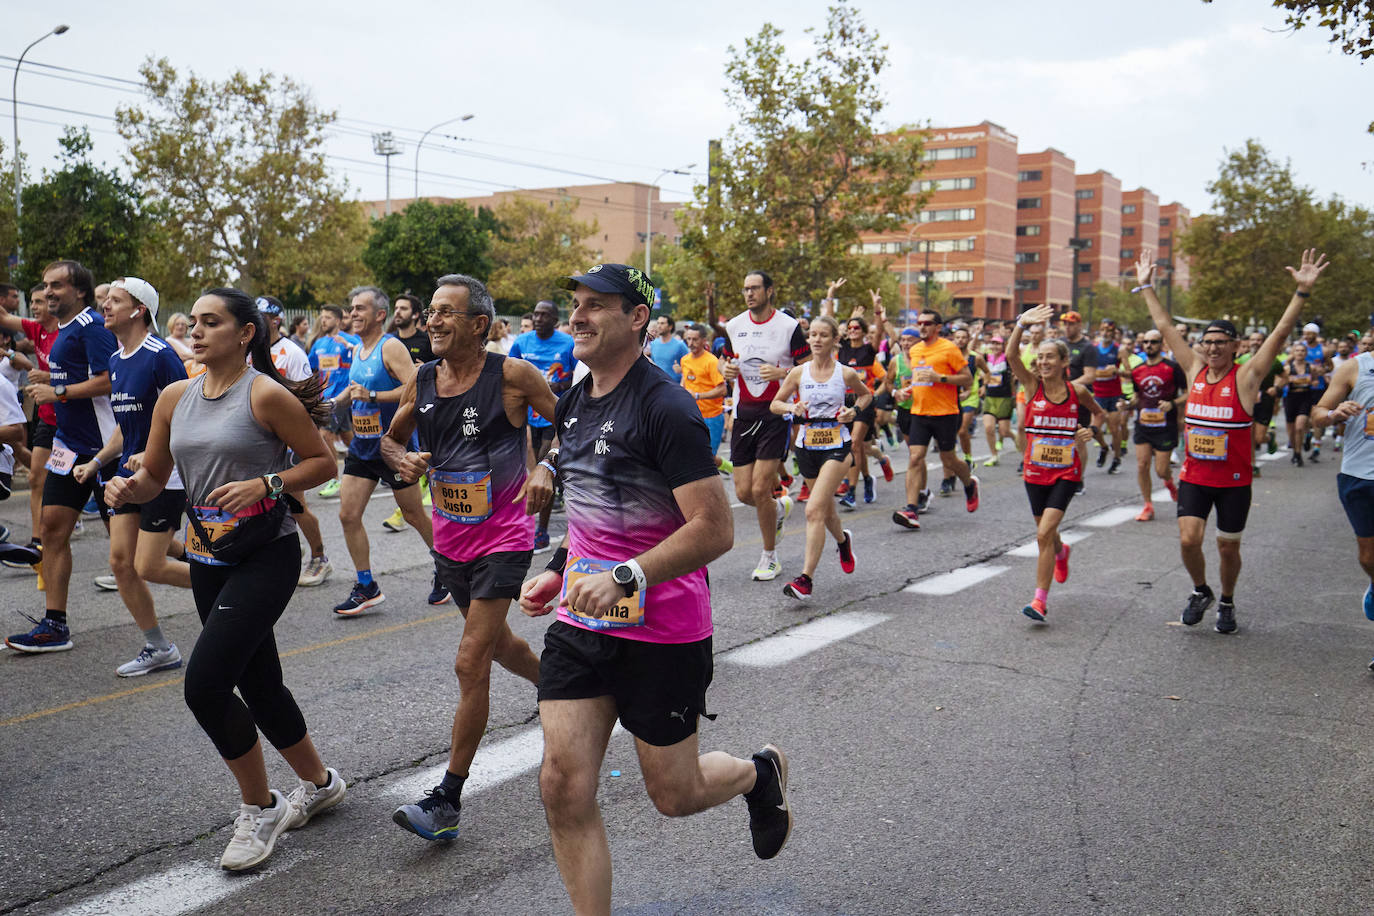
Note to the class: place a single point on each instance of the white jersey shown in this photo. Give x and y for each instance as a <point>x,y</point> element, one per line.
<point>775,342</point>
<point>10,413</point>
<point>291,360</point>
<point>824,401</point>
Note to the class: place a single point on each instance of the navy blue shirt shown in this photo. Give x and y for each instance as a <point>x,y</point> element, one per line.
<point>136,380</point>
<point>82,350</point>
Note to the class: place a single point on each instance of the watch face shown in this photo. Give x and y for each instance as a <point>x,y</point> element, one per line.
<point>623,575</point>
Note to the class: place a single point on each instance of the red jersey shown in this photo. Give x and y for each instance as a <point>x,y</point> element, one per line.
<point>43,340</point>
<point>1217,434</point>
<point>1154,385</point>
<point>1051,455</point>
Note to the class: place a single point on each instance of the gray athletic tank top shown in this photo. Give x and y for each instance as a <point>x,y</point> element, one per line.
<point>1357,459</point>
<point>217,440</point>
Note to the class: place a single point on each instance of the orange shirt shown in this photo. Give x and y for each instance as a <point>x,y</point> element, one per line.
<point>702,373</point>
<point>934,399</point>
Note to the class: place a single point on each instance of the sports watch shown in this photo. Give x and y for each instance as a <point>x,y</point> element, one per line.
<point>60,392</point>
<point>274,485</point>
<point>624,576</point>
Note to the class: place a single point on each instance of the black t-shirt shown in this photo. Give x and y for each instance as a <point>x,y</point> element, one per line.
<point>1082,352</point>
<point>418,345</point>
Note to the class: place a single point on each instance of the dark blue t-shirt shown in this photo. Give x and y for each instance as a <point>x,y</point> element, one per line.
<point>136,380</point>
<point>82,349</point>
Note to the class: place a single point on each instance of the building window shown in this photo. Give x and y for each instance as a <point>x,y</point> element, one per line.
<point>1027,284</point>
<point>1088,243</point>
<point>1085,218</point>
<point>1027,257</point>
<point>946,184</point>
<point>950,152</point>
<point>1085,193</point>
<point>1127,209</point>
<point>939,245</point>
<point>1085,268</point>
<point>952,276</point>
<point>947,216</point>
<point>1164,221</point>
<point>1128,230</point>
<point>1128,252</point>
<point>1027,230</point>
<point>1030,175</point>
<point>1028,203</point>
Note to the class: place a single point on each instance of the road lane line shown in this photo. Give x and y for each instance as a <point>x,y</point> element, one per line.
<point>1111,517</point>
<point>802,640</point>
<point>1032,549</point>
<point>1161,496</point>
<point>1281,453</point>
<point>956,581</point>
<point>175,681</point>
<point>182,889</point>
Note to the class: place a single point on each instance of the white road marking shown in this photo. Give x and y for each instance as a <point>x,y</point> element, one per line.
<point>898,470</point>
<point>803,640</point>
<point>1281,453</point>
<point>956,581</point>
<point>1161,496</point>
<point>1111,517</point>
<point>182,889</point>
<point>1032,550</point>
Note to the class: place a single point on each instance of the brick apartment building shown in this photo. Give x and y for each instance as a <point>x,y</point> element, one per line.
<point>1173,219</point>
<point>1098,199</point>
<point>620,209</point>
<point>1139,227</point>
<point>1044,225</point>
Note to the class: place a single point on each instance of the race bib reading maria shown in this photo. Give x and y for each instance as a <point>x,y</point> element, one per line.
<point>1052,452</point>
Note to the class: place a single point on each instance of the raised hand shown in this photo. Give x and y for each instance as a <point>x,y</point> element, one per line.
<point>1312,266</point>
<point>834,287</point>
<point>1038,315</point>
<point>1145,266</point>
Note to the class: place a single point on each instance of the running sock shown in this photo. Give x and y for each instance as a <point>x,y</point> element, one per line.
<point>452,786</point>
<point>1042,595</point>
<point>364,577</point>
<point>1226,599</point>
<point>763,779</point>
<point>1202,590</point>
<point>57,616</point>
<point>154,638</point>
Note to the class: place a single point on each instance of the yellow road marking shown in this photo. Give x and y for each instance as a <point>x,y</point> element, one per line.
<point>172,682</point>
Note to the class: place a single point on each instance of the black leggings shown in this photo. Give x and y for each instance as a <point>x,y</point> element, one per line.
<point>238,606</point>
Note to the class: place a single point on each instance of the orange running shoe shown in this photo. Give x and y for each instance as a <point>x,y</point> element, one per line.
<point>1147,514</point>
<point>1061,565</point>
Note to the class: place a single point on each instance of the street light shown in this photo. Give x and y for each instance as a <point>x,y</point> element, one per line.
<point>14,100</point>
<point>649,212</point>
<point>385,145</point>
<point>423,137</point>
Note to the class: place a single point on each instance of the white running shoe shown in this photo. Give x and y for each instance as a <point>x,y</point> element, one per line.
<point>315,572</point>
<point>106,583</point>
<point>784,510</point>
<point>255,833</point>
<point>308,799</point>
<point>767,570</point>
<point>150,660</point>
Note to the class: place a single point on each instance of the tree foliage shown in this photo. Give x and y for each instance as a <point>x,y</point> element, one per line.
<point>806,170</point>
<point>236,175</point>
<point>9,233</point>
<point>1350,22</point>
<point>1261,221</point>
<point>82,212</point>
<point>411,249</point>
<point>538,242</point>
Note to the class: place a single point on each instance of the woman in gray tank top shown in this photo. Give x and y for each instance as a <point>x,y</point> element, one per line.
<point>228,432</point>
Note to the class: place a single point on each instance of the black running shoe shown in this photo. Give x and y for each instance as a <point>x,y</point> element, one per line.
<point>1116,465</point>
<point>923,502</point>
<point>770,820</point>
<point>1226,618</point>
<point>1101,456</point>
<point>1198,604</point>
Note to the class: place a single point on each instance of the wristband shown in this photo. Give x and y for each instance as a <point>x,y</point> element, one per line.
<point>641,581</point>
<point>1143,287</point>
<point>546,464</point>
<point>560,559</point>
<point>1301,293</point>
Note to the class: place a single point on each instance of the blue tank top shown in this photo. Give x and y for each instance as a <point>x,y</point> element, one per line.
<point>370,421</point>
<point>1357,459</point>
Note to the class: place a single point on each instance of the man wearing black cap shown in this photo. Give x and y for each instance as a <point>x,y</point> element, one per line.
<point>646,513</point>
<point>1217,457</point>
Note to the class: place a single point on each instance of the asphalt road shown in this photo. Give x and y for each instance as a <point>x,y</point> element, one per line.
<point>946,755</point>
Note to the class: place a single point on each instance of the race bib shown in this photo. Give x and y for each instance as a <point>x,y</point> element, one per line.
<point>62,459</point>
<point>916,374</point>
<point>216,523</point>
<point>1152,417</point>
<point>823,437</point>
<point>1369,424</point>
<point>328,362</point>
<point>367,421</point>
<point>1299,381</point>
<point>627,612</point>
<point>994,379</point>
<point>461,496</point>
<point>1206,444</point>
<point>1052,452</point>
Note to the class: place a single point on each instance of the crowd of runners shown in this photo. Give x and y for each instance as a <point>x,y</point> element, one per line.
<point>202,451</point>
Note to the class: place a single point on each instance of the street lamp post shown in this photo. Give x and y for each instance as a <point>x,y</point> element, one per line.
<point>649,214</point>
<point>14,103</point>
<point>385,145</point>
<point>425,136</point>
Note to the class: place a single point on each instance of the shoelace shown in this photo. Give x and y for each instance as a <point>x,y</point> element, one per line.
<point>433,799</point>
<point>34,620</point>
<point>245,825</point>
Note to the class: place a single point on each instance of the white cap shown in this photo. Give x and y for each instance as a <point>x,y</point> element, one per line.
<point>1311,326</point>
<point>142,291</point>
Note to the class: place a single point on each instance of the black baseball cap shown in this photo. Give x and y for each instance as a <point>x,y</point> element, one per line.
<point>621,279</point>
<point>1222,326</point>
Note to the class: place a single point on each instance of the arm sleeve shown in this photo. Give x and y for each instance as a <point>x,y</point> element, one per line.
<point>678,439</point>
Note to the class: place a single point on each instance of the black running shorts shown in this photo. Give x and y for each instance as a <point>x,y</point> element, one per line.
<point>762,439</point>
<point>497,575</point>
<point>1232,505</point>
<point>373,469</point>
<point>943,429</point>
<point>161,513</point>
<point>1050,495</point>
<point>66,490</point>
<point>659,688</point>
<point>1160,438</point>
<point>810,461</point>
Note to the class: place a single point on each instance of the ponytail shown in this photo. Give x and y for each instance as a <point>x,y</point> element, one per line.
<point>244,309</point>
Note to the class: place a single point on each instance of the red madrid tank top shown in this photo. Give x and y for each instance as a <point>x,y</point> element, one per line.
<point>1051,455</point>
<point>1216,434</point>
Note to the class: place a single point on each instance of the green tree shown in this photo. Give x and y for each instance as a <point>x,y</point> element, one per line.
<point>9,233</point>
<point>1261,220</point>
<point>806,170</point>
<point>235,175</point>
<point>411,249</point>
<point>1350,22</point>
<point>83,212</point>
<point>537,243</point>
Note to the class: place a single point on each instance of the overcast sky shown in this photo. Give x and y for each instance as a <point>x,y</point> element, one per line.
<point>1153,92</point>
